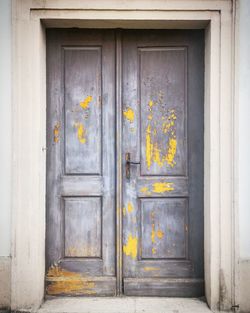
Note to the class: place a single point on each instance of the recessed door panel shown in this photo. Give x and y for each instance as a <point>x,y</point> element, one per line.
<point>83,227</point>
<point>163,228</point>
<point>83,109</point>
<point>162,90</point>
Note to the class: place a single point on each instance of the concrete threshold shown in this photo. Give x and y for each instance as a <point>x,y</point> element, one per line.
<point>124,305</point>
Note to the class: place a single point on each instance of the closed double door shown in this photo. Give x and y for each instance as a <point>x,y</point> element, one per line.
<point>124,163</point>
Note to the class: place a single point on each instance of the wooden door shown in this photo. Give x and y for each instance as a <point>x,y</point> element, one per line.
<point>80,232</point>
<point>163,186</point>
<point>162,168</point>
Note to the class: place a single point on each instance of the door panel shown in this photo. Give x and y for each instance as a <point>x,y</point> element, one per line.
<point>80,163</point>
<point>82,76</point>
<point>162,80</point>
<point>163,132</point>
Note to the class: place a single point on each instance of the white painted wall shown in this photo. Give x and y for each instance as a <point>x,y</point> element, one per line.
<point>244,129</point>
<point>244,134</point>
<point>5,126</point>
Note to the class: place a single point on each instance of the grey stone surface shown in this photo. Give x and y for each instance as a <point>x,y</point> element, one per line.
<point>124,305</point>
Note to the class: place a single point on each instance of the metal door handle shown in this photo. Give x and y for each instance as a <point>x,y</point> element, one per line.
<point>128,162</point>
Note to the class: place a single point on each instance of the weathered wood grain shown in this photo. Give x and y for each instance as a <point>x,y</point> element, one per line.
<point>164,287</point>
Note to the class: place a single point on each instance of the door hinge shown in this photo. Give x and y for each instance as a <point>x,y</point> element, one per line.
<point>235,308</point>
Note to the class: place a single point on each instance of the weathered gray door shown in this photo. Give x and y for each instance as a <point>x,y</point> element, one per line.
<point>162,162</point>
<point>163,132</point>
<point>80,163</point>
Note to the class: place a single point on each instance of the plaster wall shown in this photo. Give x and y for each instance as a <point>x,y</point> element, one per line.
<point>5,155</point>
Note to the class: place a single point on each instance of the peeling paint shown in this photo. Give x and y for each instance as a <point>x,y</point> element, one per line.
<point>154,152</point>
<point>81,132</point>
<point>63,282</point>
<point>172,144</point>
<point>151,103</point>
<point>124,211</point>
<point>149,147</point>
<point>129,114</point>
<point>166,126</point>
<point>153,233</point>
<point>161,187</point>
<point>160,234</point>
<point>130,207</point>
<point>80,250</point>
<point>144,189</point>
<point>151,268</point>
<point>85,103</point>
<point>130,249</point>
<point>56,132</point>
<point>157,156</point>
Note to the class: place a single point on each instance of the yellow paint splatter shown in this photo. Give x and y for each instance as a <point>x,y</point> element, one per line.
<point>56,132</point>
<point>150,268</point>
<point>129,114</point>
<point>172,144</point>
<point>160,234</point>
<point>130,207</point>
<point>145,190</point>
<point>153,152</point>
<point>149,147</point>
<point>154,250</point>
<point>81,132</point>
<point>62,282</point>
<point>130,249</point>
<point>85,103</point>
<point>150,104</point>
<point>153,233</point>
<point>157,155</point>
<point>166,126</point>
<point>124,211</point>
<point>162,187</point>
